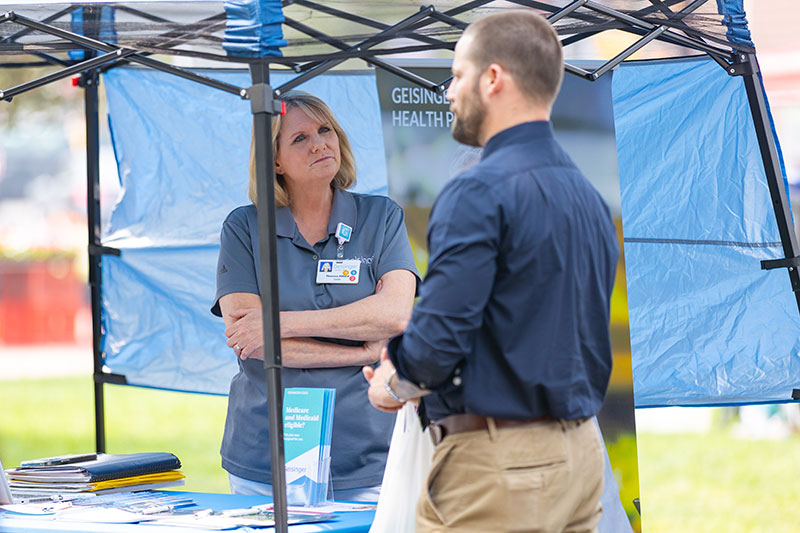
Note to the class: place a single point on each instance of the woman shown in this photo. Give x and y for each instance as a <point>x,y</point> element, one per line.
<point>313,168</point>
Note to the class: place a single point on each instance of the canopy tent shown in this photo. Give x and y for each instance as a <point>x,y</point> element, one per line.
<point>708,325</point>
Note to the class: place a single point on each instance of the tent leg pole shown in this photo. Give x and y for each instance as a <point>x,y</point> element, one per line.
<point>270,306</point>
<point>89,81</point>
<point>769,156</point>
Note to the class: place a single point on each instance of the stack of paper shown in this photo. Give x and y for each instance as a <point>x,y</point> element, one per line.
<point>307,428</point>
<point>106,473</point>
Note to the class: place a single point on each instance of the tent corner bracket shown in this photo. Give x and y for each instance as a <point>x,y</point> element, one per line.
<point>742,65</point>
<point>263,99</point>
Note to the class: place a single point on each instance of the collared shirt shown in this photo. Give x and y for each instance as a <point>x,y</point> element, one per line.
<point>513,315</point>
<point>379,241</point>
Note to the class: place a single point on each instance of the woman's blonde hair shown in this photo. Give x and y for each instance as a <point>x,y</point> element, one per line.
<point>319,111</point>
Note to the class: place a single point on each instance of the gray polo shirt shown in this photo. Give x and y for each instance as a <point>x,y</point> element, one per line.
<point>361,434</point>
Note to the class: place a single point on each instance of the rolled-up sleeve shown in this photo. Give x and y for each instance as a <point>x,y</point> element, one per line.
<point>463,242</point>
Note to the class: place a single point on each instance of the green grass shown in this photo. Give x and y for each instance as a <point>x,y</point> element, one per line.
<point>41,418</point>
<point>688,482</point>
<point>712,482</point>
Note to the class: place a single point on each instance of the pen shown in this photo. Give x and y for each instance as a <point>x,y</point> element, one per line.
<point>160,500</point>
<point>252,510</point>
<point>36,500</point>
<point>165,501</point>
<point>162,508</point>
<point>42,499</point>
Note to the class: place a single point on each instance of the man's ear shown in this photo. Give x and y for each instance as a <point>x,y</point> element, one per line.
<point>495,79</point>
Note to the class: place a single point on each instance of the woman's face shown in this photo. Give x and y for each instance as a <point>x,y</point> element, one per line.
<point>308,151</point>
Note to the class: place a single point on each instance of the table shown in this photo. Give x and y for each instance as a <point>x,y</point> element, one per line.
<point>346,522</point>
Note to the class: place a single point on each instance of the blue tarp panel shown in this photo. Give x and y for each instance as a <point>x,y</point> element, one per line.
<point>708,326</point>
<point>253,28</point>
<point>182,151</point>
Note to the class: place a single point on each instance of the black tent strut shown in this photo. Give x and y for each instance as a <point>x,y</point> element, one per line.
<point>89,83</point>
<point>95,44</point>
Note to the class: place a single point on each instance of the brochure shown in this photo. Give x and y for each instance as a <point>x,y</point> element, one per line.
<point>307,429</point>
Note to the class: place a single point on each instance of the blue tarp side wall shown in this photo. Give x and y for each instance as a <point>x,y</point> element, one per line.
<point>182,151</point>
<point>253,28</point>
<point>708,326</point>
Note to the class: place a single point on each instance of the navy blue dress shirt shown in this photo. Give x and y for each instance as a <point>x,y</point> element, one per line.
<point>513,315</point>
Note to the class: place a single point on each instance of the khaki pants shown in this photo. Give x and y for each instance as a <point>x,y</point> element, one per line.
<point>543,477</point>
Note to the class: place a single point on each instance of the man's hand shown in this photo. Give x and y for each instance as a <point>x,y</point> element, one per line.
<point>245,334</point>
<point>378,396</point>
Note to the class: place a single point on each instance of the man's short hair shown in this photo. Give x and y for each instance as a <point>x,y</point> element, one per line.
<point>524,44</point>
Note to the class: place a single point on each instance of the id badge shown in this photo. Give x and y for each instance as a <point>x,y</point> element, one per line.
<point>341,271</point>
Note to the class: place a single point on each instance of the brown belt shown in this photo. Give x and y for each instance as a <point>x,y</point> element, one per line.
<point>453,424</point>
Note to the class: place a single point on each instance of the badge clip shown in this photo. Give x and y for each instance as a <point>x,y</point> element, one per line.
<point>343,232</point>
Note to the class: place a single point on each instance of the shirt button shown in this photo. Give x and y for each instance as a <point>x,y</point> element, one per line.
<point>314,257</point>
<point>457,381</point>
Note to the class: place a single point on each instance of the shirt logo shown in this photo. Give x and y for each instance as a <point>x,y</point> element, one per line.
<point>222,270</point>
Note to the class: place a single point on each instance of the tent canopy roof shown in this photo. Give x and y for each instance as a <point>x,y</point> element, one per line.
<point>325,30</point>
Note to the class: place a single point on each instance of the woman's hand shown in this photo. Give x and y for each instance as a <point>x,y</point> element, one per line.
<point>245,333</point>
<point>373,350</point>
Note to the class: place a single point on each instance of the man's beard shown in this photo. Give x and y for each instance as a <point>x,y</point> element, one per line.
<point>468,123</point>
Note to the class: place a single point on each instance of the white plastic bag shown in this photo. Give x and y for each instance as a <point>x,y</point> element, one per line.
<point>407,466</point>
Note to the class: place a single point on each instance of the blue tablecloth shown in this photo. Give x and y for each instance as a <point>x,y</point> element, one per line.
<point>349,522</point>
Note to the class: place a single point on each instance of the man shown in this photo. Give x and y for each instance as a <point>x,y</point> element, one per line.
<point>509,342</point>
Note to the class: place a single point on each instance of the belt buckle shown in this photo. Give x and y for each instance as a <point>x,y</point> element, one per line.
<point>436,432</point>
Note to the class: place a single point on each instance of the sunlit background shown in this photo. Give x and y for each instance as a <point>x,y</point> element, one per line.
<point>700,469</point>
